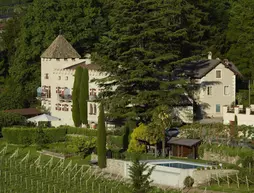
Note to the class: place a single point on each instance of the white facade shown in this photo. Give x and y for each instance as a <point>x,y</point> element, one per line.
<point>57,82</point>
<point>244,116</point>
<point>218,88</point>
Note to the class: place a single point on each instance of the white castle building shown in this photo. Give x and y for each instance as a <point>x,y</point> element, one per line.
<point>58,64</point>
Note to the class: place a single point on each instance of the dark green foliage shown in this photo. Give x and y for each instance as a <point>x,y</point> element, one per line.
<point>9,119</point>
<point>27,136</point>
<point>189,181</point>
<point>75,97</point>
<point>140,51</point>
<point>39,26</point>
<point>84,96</point>
<point>239,34</point>
<point>101,139</point>
<point>218,18</point>
<point>140,174</point>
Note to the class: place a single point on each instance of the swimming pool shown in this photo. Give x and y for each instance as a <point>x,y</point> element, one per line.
<point>179,164</point>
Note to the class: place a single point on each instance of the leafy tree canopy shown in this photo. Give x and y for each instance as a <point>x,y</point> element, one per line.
<point>147,40</point>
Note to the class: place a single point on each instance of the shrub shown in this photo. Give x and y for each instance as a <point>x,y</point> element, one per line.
<point>139,133</point>
<point>114,141</point>
<point>140,176</point>
<point>9,119</point>
<point>41,138</point>
<point>26,136</point>
<point>118,131</point>
<point>188,182</point>
<point>81,144</point>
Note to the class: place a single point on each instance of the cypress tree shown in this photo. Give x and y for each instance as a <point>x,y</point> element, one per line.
<point>101,139</point>
<point>126,137</point>
<point>83,96</point>
<point>75,97</point>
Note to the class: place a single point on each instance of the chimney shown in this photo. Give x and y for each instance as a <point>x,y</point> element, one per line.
<point>226,62</point>
<point>210,55</point>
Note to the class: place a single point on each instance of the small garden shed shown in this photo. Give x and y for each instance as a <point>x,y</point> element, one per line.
<point>185,147</point>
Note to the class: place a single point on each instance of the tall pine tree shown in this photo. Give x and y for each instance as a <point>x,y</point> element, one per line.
<point>101,138</point>
<point>139,53</point>
<point>240,36</point>
<point>84,96</point>
<point>75,97</point>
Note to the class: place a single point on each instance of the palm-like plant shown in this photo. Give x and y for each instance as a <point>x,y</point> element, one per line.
<point>140,175</point>
<point>160,121</point>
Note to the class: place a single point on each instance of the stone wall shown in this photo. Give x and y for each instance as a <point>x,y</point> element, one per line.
<point>114,166</point>
<point>211,156</point>
<point>54,154</point>
<point>203,176</point>
<point>117,167</point>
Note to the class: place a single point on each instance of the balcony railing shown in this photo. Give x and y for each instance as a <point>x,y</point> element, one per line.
<point>42,96</point>
<point>63,98</point>
<point>92,97</point>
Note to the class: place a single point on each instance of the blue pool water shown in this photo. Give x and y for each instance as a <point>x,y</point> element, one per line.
<point>180,165</point>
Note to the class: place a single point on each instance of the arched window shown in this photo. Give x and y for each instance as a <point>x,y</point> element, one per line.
<point>91,109</point>
<point>94,109</point>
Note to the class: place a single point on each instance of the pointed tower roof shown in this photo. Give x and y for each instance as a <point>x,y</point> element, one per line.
<point>60,49</point>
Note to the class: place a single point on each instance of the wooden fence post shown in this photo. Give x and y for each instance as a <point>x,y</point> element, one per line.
<point>237,179</point>
<point>247,183</point>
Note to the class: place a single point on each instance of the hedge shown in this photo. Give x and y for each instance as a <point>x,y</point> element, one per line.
<point>80,131</point>
<point>26,136</point>
<point>90,132</point>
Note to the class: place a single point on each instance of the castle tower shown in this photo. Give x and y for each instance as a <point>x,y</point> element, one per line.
<point>58,56</point>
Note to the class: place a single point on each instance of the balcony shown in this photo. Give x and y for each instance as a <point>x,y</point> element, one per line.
<point>92,98</point>
<point>42,96</point>
<point>43,93</point>
<point>64,98</point>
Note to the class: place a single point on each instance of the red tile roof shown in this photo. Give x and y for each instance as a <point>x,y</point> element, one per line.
<point>24,112</point>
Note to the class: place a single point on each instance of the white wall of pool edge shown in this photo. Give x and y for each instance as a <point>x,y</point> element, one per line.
<point>168,176</point>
